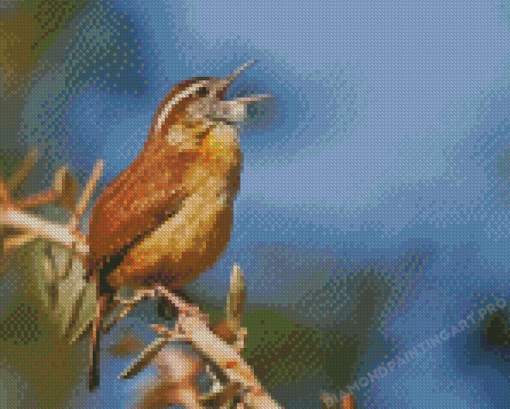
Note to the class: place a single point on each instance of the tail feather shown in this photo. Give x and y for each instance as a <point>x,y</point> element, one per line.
<point>101,306</point>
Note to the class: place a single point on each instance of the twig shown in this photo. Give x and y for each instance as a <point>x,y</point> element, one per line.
<point>236,298</point>
<point>51,231</point>
<point>5,195</point>
<point>63,193</point>
<point>37,200</point>
<point>12,213</point>
<point>127,309</point>
<point>150,352</point>
<point>194,326</point>
<point>80,209</point>
<point>128,306</point>
<point>11,243</point>
<point>222,395</point>
<point>163,331</point>
<point>22,173</point>
<point>87,195</point>
<point>145,358</point>
<point>67,189</point>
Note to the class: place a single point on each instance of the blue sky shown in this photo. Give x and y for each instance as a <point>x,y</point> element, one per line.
<point>389,131</point>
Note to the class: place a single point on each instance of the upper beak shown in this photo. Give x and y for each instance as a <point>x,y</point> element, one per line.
<point>232,77</point>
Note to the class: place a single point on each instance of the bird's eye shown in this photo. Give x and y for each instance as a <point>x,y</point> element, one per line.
<point>202,91</point>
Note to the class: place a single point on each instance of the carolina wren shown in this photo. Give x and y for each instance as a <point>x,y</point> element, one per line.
<point>168,216</point>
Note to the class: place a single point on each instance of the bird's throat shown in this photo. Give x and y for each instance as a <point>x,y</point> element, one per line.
<point>221,145</point>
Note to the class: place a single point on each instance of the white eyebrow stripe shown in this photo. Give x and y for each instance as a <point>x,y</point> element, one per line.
<point>179,97</point>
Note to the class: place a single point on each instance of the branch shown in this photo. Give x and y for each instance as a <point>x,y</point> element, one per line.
<point>23,171</point>
<point>13,215</point>
<point>194,326</point>
<point>55,232</point>
<point>86,195</point>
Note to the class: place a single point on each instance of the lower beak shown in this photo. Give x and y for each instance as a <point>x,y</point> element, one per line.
<point>236,110</point>
<point>252,98</point>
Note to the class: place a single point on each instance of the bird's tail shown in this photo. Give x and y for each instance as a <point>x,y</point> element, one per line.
<point>101,307</point>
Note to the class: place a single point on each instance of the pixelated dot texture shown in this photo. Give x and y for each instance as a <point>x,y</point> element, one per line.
<point>21,326</point>
<point>496,328</point>
<point>373,211</point>
<point>28,32</point>
<point>107,54</point>
<point>283,352</point>
<point>32,347</point>
<point>103,52</point>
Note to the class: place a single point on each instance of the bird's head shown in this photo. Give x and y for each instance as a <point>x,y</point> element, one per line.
<point>197,105</point>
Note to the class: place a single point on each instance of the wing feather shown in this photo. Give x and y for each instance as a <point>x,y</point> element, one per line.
<point>135,203</point>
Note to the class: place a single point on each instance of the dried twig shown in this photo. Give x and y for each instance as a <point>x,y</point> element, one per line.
<point>236,298</point>
<point>223,395</point>
<point>80,210</point>
<point>195,326</point>
<point>23,171</point>
<point>57,233</point>
<point>5,194</point>
<point>329,401</point>
<point>86,195</point>
<point>145,358</point>
<point>13,215</point>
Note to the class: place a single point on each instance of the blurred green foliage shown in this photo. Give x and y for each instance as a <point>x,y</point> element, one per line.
<point>282,351</point>
<point>48,17</point>
<point>497,329</point>
<point>31,346</point>
<point>26,32</point>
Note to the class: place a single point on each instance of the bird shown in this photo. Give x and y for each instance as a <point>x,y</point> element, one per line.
<point>168,217</point>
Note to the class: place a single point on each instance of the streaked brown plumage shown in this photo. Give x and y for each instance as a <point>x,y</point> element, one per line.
<point>168,216</point>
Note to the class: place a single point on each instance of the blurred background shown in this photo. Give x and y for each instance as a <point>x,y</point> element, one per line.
<point>374,205</point>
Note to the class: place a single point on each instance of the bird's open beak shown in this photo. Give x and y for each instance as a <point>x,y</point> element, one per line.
<point>235,109</point>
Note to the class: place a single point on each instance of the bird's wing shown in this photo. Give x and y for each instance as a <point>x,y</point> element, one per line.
<point>138,201</point>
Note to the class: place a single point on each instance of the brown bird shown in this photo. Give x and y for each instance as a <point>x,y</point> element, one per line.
<point>168,216</point>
